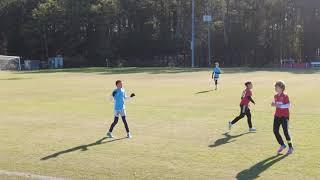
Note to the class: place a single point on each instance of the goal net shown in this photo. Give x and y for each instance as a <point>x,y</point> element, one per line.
<point>10,63</point>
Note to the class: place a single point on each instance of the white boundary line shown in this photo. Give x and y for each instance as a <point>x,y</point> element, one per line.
<point>28,175</point>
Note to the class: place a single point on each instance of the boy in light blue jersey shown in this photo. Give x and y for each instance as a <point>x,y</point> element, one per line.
<point>119,97</point>
<point>216,75</point>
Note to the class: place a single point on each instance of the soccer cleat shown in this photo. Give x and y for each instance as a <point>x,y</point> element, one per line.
<point>129,136</point>
<point>109,135</point>
<point>252,129</point>
<point>290,151</point>
<point>230,125</point>
<point>282,147</point>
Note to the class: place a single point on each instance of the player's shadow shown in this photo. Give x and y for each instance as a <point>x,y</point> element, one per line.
<point>227,139</point>
<point>82,148</point>
<point>202,92</point>
<point>254,171</point>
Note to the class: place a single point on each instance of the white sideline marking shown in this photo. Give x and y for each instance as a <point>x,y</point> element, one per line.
<point>29,175</point>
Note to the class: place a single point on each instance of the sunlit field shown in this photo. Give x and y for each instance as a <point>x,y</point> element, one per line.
<point>53,124</point>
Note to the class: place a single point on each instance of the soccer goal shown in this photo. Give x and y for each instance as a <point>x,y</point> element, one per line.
<point>10,63</point>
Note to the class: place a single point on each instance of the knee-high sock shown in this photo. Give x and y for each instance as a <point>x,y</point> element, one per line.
<point>248,113</point>
<point>238,118</point>
<point>276,127</point>
<point>125,124</point>
<point>285,127</point>
<point>114,124</point>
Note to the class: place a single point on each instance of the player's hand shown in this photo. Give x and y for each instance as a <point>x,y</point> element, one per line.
<point>132,95</point>
<point>273,104</point>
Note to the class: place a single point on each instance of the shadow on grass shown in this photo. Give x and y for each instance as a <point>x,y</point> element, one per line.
<point>127,70</point>
<point>254,171</point>
<point>82,148</point>
<point>203,92</point>
<point>227,139</point>
<point>13,79</point>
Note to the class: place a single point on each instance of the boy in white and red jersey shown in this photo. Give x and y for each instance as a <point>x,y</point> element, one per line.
<point>281,117</point>
<point>246,98</point>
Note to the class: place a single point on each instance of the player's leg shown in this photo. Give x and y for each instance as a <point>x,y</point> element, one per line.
<point>216,83</point>
<point>248,114</point>
<point>276,127</point>
<point>285,127</point>
<point>242,114</point>
<point>124,120</point>
<point>115,122</point>
<point>126,126</point>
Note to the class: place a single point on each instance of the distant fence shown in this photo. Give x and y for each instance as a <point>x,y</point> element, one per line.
<point>294,65</point>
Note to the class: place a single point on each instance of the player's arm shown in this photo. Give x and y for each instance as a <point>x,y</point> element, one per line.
<point>129,97</point>
<point>111,97</point>
<point>251,100</point>
<point>273,104</point>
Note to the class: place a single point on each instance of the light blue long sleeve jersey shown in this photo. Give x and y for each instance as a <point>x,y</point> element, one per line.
<point>216,72</point>
<point>119,97</point>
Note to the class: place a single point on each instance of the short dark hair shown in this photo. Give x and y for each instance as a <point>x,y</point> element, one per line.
<point>280,84</point>
<point>118,81</point>
<point>247,83</point>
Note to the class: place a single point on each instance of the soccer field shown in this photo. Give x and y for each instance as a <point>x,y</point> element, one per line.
<point>53,122</point>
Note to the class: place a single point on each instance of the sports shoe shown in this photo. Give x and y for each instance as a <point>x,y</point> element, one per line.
<point>290,151</point>
<point>109,135</point>
<point>230,125</point>
<point>252,129</point>
<point>281,148</point>
<point>129,136</point>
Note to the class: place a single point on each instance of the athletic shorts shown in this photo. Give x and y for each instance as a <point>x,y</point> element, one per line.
<point>118,113</point>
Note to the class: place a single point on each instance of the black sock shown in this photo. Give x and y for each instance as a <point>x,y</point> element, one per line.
<point>125,124</point>
<point>115,121</point>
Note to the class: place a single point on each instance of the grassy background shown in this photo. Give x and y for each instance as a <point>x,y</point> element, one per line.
<point>52,123</point>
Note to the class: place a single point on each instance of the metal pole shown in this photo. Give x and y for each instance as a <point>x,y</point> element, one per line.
<point>20,69</point>
<point>193,34</point>
<point>209,44</point>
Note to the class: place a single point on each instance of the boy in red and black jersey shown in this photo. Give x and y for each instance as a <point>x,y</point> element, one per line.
<point>244,107</point>
<point>281,117</point>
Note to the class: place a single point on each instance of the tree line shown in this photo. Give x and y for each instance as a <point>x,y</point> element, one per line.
<point>158,32</point>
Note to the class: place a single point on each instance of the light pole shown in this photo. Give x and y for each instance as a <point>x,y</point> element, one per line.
<point>209,44</point>
<point>193,34</point>
<point>208,19</point>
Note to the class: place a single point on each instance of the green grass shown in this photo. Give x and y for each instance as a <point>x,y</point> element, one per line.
<point>51,122</point>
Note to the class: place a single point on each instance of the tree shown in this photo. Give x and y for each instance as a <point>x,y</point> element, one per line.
<point>154,32</point>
